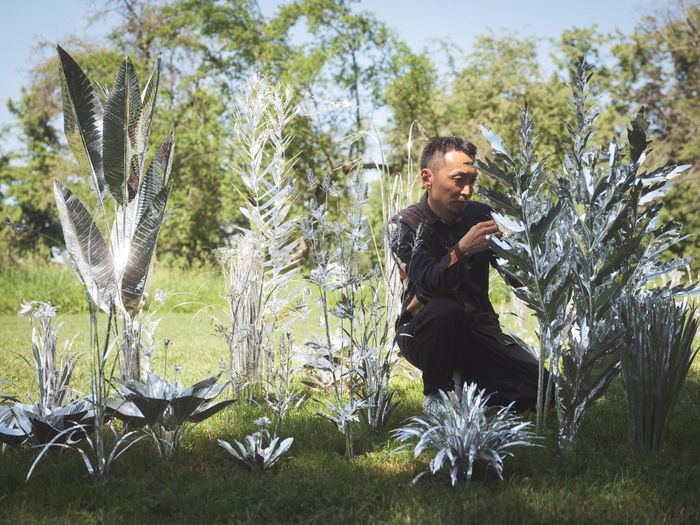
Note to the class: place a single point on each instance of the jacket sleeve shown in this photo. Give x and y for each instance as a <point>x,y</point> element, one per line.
<point>430,274</point>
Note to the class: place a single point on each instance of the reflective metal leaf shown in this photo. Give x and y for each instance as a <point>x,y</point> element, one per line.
<point>82,119</point>
<point>119,124</point>
<point>143,245</point>
<point>86,247</point>
<point>157,175</point>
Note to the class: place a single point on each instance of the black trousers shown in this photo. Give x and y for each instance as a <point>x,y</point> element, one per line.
<point>442,339</point>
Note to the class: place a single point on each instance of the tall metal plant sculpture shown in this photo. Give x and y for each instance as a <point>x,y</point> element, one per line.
<point>337,277</point>
<point>110,139</point>
<point>656,356</point>
<point>599,229</point>
<point>259,148</point>
<point>534,248</point>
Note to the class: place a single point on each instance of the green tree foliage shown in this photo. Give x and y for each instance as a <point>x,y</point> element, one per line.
<point>332,51</point>
<point>659,68</point>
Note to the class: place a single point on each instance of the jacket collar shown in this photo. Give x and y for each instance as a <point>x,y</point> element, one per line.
<point>431,218</point>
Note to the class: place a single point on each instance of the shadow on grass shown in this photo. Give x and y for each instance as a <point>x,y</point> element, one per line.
<point>600,481</point>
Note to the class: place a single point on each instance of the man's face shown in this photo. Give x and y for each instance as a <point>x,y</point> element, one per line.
<point>451,185</point>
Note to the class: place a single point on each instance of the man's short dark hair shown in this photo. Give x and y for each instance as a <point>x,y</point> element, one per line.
<point>437,147</point>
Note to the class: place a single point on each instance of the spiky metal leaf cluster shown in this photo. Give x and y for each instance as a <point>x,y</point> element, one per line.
<point>656,355</point>
<point>462,430</point>
<point>259,451</point>
<point>579,238</point>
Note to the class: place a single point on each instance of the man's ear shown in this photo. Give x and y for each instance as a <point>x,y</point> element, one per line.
<point>426,178</point>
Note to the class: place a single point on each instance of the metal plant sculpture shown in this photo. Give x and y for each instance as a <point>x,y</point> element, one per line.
<point>462,431</point>
<point>656,356</point>
<point>259,451</point>
<point>52,372</point>
<point>579,238</point>
<point>165,411</point>
<point>54,411</point>
<point>283,395</point>
<point>98,443</point>
<point>109,139</point>
<point>534,248</point>
<point>355,356</point>
<point>259,290</point>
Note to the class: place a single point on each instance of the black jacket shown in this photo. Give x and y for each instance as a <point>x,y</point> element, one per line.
<point>425,249</point>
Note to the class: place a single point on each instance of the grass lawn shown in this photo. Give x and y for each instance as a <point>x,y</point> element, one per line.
<point>600,482</point>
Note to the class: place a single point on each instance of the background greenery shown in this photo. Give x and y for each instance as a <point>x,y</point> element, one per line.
<point>208,47</point>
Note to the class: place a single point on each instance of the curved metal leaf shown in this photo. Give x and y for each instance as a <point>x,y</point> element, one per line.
<point>82,119</point>
<point>145,116</point>
<point>86,247</point>
<point>143,245</point>
<point>157,174</point>
<point>208,410</point>
<point>151,408</point>
<point>120,117</point>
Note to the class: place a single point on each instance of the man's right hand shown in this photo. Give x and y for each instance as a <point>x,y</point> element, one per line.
<point>474,241</point>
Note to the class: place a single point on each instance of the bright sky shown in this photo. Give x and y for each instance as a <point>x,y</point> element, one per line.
<point>26,23</point>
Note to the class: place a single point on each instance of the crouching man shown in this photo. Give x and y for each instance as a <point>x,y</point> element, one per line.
<point>448,327</point>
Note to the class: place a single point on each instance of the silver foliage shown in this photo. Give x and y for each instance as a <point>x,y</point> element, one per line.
<point>259,451</point>
<point>54,410</point>
<point>462,431</point>
<point>263,263</point>
<point>98,442</point>
<point>164,410</point>
<point>656,356</point>
<point>110,144</point>
<point>579,238</point>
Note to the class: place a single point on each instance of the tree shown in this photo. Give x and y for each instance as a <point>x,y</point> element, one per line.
<point>658,67</point>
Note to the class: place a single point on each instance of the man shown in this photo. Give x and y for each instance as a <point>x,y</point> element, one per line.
<point>448,327</point>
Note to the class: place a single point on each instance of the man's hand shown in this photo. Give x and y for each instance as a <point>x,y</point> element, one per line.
<point>475,241</point>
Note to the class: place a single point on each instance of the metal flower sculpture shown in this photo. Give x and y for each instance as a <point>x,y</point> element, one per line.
<point>463,430</point>
<point>110,140</point>
<point>259,452</point>
<point>165,411</point>
<point>579,238</point>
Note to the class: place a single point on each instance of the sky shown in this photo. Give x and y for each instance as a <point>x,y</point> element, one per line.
<point>27,23</point>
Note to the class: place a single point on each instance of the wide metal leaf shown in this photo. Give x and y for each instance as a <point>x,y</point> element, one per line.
<point>208,410</point>
<point>86,247</point>
<point>143,245</point>
<point>120,235</point>
<point>82,119</point>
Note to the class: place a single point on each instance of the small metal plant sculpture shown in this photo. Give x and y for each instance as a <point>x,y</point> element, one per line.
<point>54,410</point>
<point>259,451</point>
<point>656,356</point>
<point>165,410</point>
<point>462,430</point>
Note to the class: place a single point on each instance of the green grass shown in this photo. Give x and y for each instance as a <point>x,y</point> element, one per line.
<point>188,291</point>
<point>600,482</point>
